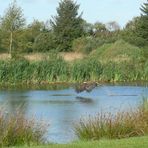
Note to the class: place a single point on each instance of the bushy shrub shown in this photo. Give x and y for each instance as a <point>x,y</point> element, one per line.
<point>86,44</point>
<point>108,36</point>
<point>44,42</point>
<point>118,51</point>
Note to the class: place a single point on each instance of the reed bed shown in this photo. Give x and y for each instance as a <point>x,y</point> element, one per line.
<point>86,70</point>
<point>109,126</point>
<point>16,130</point>
<point>56,69</point>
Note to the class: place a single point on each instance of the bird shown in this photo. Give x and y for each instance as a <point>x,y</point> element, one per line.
<point>86,86</point>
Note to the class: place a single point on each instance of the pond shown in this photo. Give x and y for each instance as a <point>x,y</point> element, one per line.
<point>61,106</point>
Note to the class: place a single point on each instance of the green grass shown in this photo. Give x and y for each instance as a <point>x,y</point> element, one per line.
<point>138,142</point>
<point>118,51</point>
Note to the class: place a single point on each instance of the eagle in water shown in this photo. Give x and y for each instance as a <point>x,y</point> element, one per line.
<point>86,86</point>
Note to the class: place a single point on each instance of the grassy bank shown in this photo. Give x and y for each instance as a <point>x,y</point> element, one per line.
<point>114,62</point>
<point>139,142</point>
<point>58,70</point>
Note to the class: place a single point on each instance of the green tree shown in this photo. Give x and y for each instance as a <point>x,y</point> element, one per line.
<point>136,31</point>
<point>67,25</point>
<point>44,42</point>
<point>142,27</point>
<point>0,35</point>
<point>87,28</point>
<point>128,33</point>
<point>99,27</point>
<point>106,33</point>
<point>12,21</point>
<point>144,8</point>
<point>27,37</point>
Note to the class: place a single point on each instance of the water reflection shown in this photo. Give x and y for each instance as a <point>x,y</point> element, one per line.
<point>84,100</point>
<point>15,101</point>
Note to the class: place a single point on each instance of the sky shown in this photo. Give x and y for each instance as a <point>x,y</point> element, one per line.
<point>103,11</point>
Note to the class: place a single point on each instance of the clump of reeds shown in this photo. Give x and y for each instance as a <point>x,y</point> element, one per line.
<point>121,125</point>
<point>86,69</point>
<point>17,130</point>
<point>56,69</point>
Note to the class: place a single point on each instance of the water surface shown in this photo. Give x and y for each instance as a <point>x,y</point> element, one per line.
<point>61,107</point>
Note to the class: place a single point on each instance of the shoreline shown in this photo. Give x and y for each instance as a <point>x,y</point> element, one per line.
<point>68,84</point>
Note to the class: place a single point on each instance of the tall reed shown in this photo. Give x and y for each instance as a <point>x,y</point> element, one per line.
<point>86,69</point>
<point>55,69</point>
<point>17,130</point>
<point>121,125</point>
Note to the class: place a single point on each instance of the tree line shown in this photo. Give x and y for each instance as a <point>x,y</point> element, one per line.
<point>65,29</point>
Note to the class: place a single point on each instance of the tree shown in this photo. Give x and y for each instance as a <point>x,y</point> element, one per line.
<point>0,40</point>
<point>44,42</point>
<point>144,8</point>
<point>36,27</point>
<point>136,31</point>
<point>0,35</point>
<point>99,27</point>
<point>87,28</point>
<point>67,25</point>
<point>12,21</point>
<point>131,33</point>
<point>142,27</point>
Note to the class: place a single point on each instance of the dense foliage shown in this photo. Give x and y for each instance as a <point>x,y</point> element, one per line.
<point>110,52</point>
<point>12,21</point>
<point>67,31</point>
<point>136,31</point>
<point>67,25</point>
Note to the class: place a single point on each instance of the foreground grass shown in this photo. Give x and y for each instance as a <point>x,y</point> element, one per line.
<point>18,130</point>
<point>138,142</point>
<point>118,126</point>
